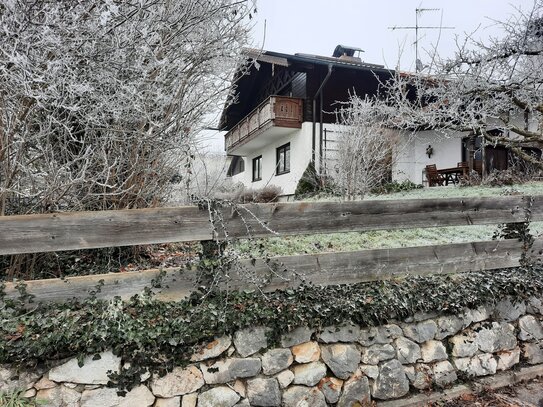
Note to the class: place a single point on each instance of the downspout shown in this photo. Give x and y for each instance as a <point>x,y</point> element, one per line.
<point>313,144</point>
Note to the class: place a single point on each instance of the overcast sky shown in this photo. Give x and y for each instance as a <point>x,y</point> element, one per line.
<point>317,26</point>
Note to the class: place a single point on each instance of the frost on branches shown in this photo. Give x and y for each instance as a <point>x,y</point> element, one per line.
<point>492,89</point>
<point>100,99</point>
<point>364,149</point>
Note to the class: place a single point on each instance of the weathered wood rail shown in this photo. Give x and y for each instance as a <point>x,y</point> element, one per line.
<point>88,230</point>
<point>83,230</point>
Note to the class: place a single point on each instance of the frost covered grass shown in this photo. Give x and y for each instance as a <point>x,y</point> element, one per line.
<point>529,188</point>
<point>452,191</point>
<point>380,239</point>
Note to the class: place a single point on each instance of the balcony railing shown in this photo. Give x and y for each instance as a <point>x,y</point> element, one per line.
<point>277,111</point>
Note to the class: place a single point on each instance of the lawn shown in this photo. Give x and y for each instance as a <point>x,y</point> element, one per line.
<point>307,244</point>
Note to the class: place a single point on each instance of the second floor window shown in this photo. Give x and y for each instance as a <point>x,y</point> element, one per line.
<point>283,159</point>
<point>257,168</point>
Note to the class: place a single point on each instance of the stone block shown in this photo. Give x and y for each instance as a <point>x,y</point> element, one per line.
<point>464,344</point>
<point>212,349</point>
<point>331,388</point>
<point>443,373</point>
<point>535,306</point>
<point>263,392</point>
<point>276,360</point>
<point>309,374</point>
<point>479,365</point>
<point>102,397</point>
<point>532,352</point>
<point>44,383</point>
<point>295,337</point>
<point>433,351</point>
<point>342,359</point>
<point>168,402</point>
<point>448,326</point>
<point>356,391</point>
<point>508,358</point>
<point>285,378</point>
<point>62,396</point>
<point>224,371</point>
<point>13,380</point>
<point>496,337</point>
<point>507,310</point>
<point>530,328</point>
<point>178,382</point>
<point>420,375</point>
<point>92,371</point>
<point>421,332</point>
<point>251,340</point>
<point>379,335</point>
<point>392,382</point>
<point>344,333</point>
<point>370,371</point>
<point>407,351</point>
<point>377,353</point>
<point>301,396</point>
<point>189,400</point>
<point>306,352</point>
<point>138,396</point>
<point>221,396</point>
<point>479,314</point>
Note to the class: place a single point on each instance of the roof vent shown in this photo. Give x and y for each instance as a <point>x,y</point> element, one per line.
<point>347,53</point>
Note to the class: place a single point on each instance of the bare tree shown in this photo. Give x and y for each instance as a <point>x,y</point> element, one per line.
<point>205,176</point>
<point>364,145</point>
<point>491,89</point>
<point>100,99</point>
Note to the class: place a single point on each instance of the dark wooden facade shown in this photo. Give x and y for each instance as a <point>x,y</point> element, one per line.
<point>301,76</point>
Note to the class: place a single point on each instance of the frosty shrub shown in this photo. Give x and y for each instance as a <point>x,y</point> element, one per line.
<point>100,99</point>
<point>489,89</point>
<point>364,149</point>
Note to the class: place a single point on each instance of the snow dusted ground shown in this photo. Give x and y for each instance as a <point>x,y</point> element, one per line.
<point>292,245</point>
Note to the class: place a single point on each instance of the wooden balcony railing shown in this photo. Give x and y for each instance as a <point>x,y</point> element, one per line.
<point>277,111</point>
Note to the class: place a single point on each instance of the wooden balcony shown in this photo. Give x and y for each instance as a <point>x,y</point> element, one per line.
<point>275,112</point>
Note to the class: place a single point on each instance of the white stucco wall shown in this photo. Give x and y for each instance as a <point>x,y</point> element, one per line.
<point>300,156</point>
<point>411,159</point>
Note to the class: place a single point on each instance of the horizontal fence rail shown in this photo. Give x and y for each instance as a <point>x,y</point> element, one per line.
<point>319,269</point>
<point>87,230</point>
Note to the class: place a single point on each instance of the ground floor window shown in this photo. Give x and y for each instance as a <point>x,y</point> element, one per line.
<point>237,166</point>
<point>283,159</point>
<point>257,168</point>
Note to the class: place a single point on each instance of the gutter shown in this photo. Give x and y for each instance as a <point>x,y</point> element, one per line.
<point>313,144</point>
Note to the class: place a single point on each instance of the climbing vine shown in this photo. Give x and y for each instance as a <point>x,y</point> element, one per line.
<point>154,336</point>
<point>520,231</point>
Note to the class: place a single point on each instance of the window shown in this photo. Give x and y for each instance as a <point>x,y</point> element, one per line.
<point>257,168</point>
<point>283,159</point>
<point>237,166</point>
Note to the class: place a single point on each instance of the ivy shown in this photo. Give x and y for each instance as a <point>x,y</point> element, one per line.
<point>155,336</point>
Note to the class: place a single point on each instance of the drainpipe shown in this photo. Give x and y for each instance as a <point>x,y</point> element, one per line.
<point>313,144</point>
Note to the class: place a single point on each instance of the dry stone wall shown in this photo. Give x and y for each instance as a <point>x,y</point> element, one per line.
<point>338,365</point>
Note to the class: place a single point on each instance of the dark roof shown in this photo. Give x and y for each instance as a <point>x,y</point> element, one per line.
<point>251,77</point>
<point>288,59</point>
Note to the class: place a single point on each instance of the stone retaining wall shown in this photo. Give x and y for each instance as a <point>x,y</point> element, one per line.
<point>335,366</point>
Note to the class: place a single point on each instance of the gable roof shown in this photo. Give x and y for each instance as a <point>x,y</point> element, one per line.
<point>263,65</point>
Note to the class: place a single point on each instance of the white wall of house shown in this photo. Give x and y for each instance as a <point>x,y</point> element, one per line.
<point>300,156</point>
<point>411,158</point>
<point>409,163</point>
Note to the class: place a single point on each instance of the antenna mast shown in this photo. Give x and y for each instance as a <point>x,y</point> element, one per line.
<point>417,27</point>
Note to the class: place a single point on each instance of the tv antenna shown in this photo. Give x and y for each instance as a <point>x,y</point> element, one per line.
<point>417,27</point>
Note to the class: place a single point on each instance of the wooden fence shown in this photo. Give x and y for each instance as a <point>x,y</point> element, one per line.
<point>85,230</point>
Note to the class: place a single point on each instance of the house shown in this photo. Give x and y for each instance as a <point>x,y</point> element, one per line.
<point>283,118</point>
